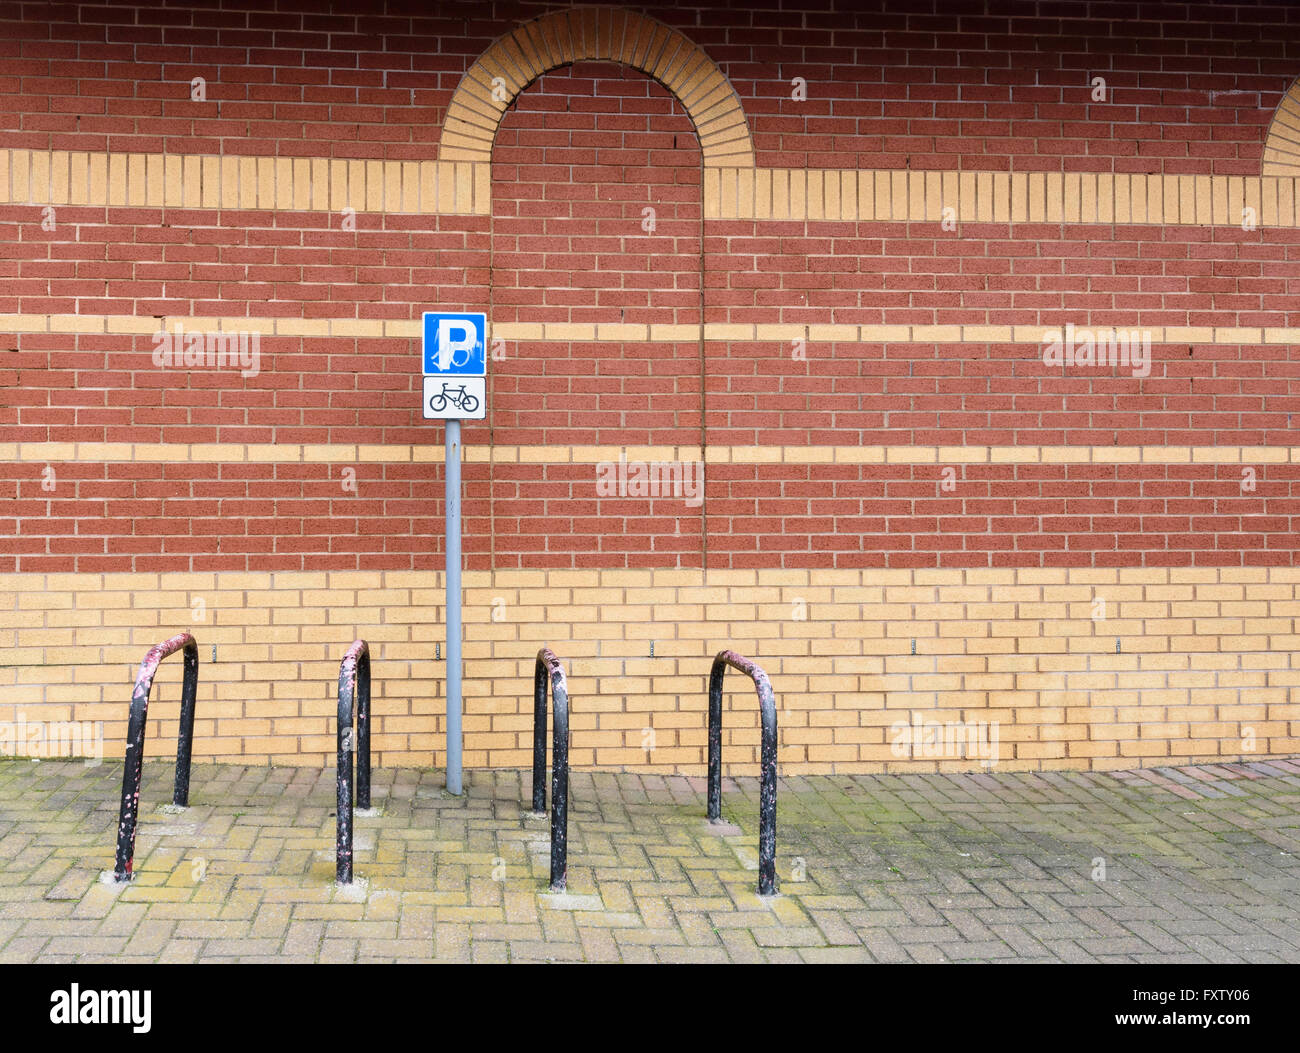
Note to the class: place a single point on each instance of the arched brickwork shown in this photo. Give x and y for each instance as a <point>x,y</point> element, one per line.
<point>1282,147</point>
<point>612,34</point>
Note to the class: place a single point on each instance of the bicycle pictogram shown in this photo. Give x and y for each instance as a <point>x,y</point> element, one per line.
<point>457,396</point>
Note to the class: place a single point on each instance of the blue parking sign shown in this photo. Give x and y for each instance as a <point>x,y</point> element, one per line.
<point>455,344</point>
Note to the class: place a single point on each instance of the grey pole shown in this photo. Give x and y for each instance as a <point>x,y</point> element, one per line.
<point>452,474</point>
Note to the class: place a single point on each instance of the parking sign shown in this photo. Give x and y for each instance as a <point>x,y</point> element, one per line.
<point>455,366</point>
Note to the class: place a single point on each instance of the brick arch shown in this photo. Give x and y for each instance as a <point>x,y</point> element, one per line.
<point>585,33</point>
<point>1282,147</point>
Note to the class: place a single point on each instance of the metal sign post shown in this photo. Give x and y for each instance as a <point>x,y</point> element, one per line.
<point>455,389</point>
<point>454,737</point>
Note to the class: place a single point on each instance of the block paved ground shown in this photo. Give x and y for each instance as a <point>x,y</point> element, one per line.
<point>1200,864</point>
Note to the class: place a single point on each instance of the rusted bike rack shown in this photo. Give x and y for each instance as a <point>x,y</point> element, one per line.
<point>354,696</point>
<point>767,788</point>
<point>129,816</point>
<point>548,668</point>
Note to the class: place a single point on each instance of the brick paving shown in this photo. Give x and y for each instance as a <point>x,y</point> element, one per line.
<point>1188,864</point>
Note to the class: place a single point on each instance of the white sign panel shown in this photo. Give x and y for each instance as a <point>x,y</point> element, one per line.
<point>455,398</point>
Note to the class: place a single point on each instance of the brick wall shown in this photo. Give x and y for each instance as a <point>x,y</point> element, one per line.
<point>1184,665</point>
<point>861,231</point>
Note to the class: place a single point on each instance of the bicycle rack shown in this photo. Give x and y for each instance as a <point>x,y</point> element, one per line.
<point>767,789</point>
<point>354,687</point>
<point>129,816</point>
<point>548,668</point>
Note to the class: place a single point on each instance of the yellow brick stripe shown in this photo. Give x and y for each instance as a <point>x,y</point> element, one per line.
<point>463,187</point>
<point>1002,197</point>
<point>1205,667</point>
<point>376,328</point>
<point>116,180</point>
<point>346,453</point>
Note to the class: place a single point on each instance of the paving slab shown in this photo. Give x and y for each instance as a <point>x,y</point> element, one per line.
<point>1194,863</point>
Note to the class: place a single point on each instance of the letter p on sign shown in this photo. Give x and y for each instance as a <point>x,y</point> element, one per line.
<point>455,340</point>
<point>455,344</point>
